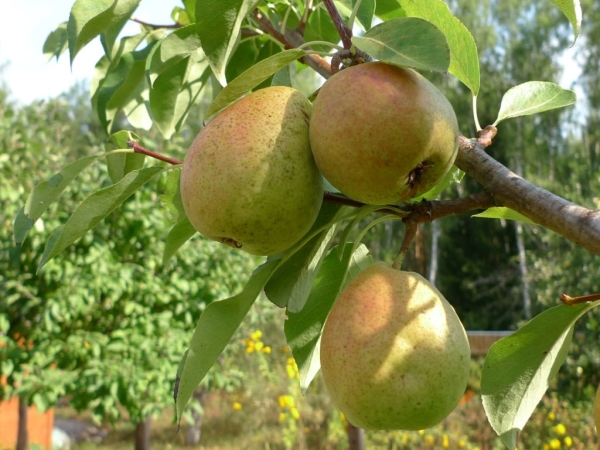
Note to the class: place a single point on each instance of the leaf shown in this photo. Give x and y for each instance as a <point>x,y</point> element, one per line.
<point>500,212</point>
<point>172,49</point>
<point>120,164</point>
<point>94,209</point>
<point>365,13</point>
<point>407,42</point>
<point>89,18</point>
<point>321,28</point>
<point>181,232</point>
<point>464,62</point>
<point>215,328</point>
<point>56,42</point>
<point>454,175</point>
<point>388,9</point>
<point>363,212</point>
<point>124,82</point>
<point>303,329</point>
<point>171,194</point>
<point>218,24</point>
<point>175,91</point>
<point>252,77</point>
<point>533,97</point>
<point>44,194</point>
<point>291,284</point>
<point>518,368</point>
<point>572,10</point>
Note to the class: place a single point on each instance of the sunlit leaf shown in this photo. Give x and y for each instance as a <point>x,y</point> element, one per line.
<point>89,18</point>
<point>44,194</point>
<point>519,368</point>
<point>464,62</point>
<point>94,209</point>
<point>408,42</point>
<point>388,9</point>
<point>171,195</point>
<point>120,164</point>
<point>56,42</point>
<point>217,324</point>
<point>533,97</point>
<point>572,10</point>
<point>500,212</point>
<point>252,77</point>
<point>218,24</point>
<point>303,329</point>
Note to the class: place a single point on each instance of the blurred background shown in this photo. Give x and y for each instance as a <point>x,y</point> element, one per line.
<point>90,347</point>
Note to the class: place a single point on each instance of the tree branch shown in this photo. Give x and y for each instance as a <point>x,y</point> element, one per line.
<point>576,223</point>
<point>344,32</point>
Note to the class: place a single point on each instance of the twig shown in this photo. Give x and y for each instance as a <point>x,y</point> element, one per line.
<point>344,32</point>
<point>156,27</point>
<point>137,148</point>
<point>412,226</point>
<point>568,300</point>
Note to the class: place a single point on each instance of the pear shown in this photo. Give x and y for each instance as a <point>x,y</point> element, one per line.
<point>382,134</point>
<point>394,354</point>
<point>249,179</point>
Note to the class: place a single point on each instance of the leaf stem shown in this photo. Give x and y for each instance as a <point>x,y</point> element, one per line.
<point>156,27</point>
<point>326,43</point>
<point>477,126</point>
<point>353,15</point>
<point>137,148</point>
<point>344,32</point>
<point>568,300</point>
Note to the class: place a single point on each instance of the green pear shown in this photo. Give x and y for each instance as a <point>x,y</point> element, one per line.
<point>249,179</point>
<point>394,354</point>
<point>382,134</point>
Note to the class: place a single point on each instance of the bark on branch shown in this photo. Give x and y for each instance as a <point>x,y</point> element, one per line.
<point>574,222</point>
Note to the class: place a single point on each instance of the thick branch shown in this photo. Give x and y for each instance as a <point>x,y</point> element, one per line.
<point>293,39</point>
<point>576,223</point>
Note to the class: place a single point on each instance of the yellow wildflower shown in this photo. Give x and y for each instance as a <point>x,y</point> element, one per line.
<point>267,350</point>
<point>295,413</point>
<point>568,441</point>
<point>250,347</point>
<point>405,438</point>
<point>421,432</point>
<point>281,416</point>
<point>237,406</point>
<point>546,447</point>
<point>429,439</point>
<point>551,415</point>
<point>259,346</point>
<point>445,441</point>
<point>560,429</point>
<point>554,443</point>
<point>256,335</point>
<point>461,443</point>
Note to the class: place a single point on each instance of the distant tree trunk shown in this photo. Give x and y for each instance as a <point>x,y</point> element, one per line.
<point>356,438</point>
<point>22,434</point>
<point>523,270</point>
<point>420,252</point>
<point>193,433</point>
<point>435,239</point>
<point>142,435</point>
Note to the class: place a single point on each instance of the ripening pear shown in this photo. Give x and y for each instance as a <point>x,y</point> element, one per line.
<point>249,179</point>
<point>394,354</point>
<point>382,134</point>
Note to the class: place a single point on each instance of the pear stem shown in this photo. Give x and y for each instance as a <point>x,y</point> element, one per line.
<point>570,301</point>
<point>137,148</point>
<point>412,226</point>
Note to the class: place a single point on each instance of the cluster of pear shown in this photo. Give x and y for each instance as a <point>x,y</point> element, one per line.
<point>394,354</point>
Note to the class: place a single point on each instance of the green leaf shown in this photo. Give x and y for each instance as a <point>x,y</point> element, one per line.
<point>533,97</point>
<point>572,10</point>
<point>94,209</point>
<point>454,175</point>
<point>218,24</point>
<point>291,284</point>
<point>121,85</point>
<point>215,328</point>
<point>303,329</point>
<point>176,91</point>
<point>44,194</point>
<point>181,232</point>
<point>171,194</point>
<point>321,28</point>
<point>500,212</point>
<point>388,9</point>
<point>56,42</point>
<point>171,50</point>
<point>89,18</point>
<point>120,164</point>
<point>363,212</point>
<point>252,77</point>
<point>464,62</point>
<point>365,13</point>
<point>518,368</point>
<point>283,77</point>
<point>407,42</point>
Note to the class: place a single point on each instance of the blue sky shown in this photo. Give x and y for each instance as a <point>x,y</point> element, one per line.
<point>24,26</point>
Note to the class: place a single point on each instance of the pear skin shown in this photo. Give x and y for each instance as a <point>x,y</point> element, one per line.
<point>394,354</point>
<point>249,179</point>
<point>382,134</point>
